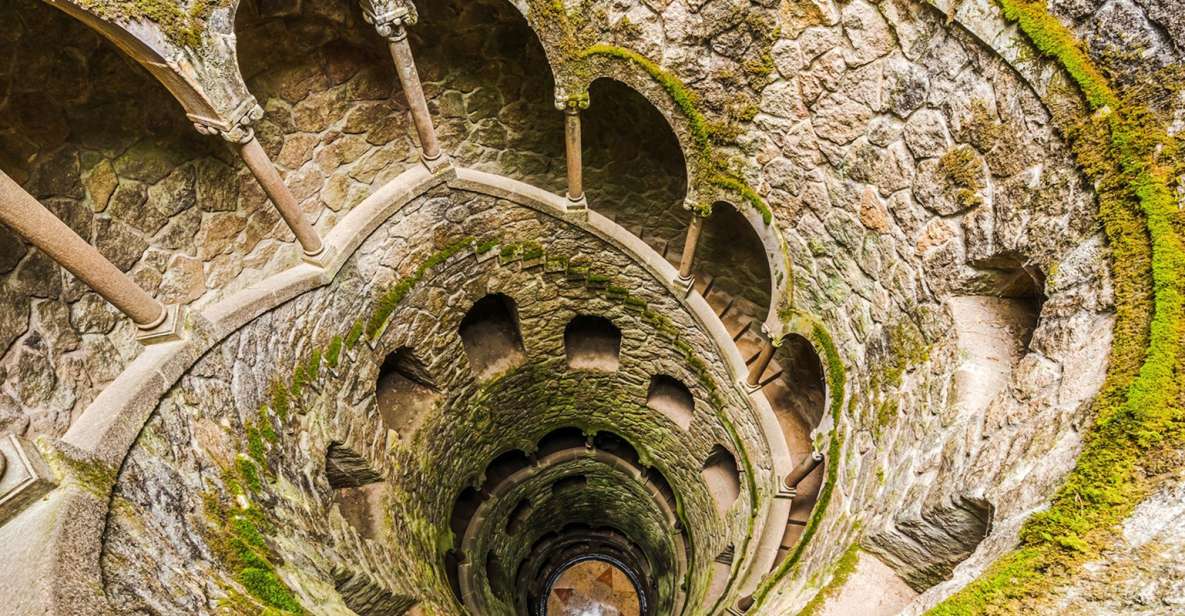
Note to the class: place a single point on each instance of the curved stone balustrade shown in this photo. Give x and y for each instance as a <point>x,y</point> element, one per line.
<point>72,517</point>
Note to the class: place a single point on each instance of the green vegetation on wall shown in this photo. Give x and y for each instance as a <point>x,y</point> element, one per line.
<point>844,568</point>
<point>182,26</point>
<point>836,379</point>
<point>708,162</point>
<point>1123,148</point>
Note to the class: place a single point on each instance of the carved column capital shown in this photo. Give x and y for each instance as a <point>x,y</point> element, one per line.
<point>390,17</point>
<point>571,102</point>
<point>237,127</point>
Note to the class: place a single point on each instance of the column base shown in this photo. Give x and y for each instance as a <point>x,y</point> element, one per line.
<point>169,330</point>
<point>746,387</point>
<point>576,204</point>
<point>435,165</point>
<point>321,258</point>
<point>24,476</point>
<point>685,284</point>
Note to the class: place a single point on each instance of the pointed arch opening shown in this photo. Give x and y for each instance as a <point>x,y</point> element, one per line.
<point>671,397</point>
<point>723,478</point>
<point>592,343</point>
<point>634,170</point>
<point>490,335</point>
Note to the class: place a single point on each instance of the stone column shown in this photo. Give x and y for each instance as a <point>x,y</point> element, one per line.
<point>409,78</point>
<point>265,172</point>
<point>759,366</point>
<point>572,106</point>
<point>391,18</point>
<point>804,468</point>
<point>238,133</point>
<point>25,215</point>
<point>688,258</point>
<point>574,158</point>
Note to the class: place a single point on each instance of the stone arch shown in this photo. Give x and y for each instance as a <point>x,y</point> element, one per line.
<point>592,343</point>
<point>404,392</point>
<point>733,273</point>
<point>491,337</point>
<point>703,187</point>
<point>491,89</point>
<point>559,440</point>
<point>610,442</point>
<point>517,516</point>
<point>502,467</point>
<point>464,507</point>
<point>208,85</point>
<point>672,398</point>
<point>722,477</point>
<point>635,168</point>
<point>798,394</point>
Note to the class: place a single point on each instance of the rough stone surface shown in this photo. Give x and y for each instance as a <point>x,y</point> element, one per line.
<point>847,122</point>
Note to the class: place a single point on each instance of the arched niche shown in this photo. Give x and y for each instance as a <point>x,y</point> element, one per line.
<point>495,575</point>
<point>592,343</point>
<point>464,507</point>
<point>732,273</point>
<point>656,477</point>
<point>672,398</point>
<point>722,478</point>
<point>518,516</point>
<point>490,89</point>
<point>634,169</point>
<point>616,445</point>
<point>571,482</point>
<point>559,440</point>
<point>329,89</point>
<point>404,392</point>
<point>490,335</point>
<point>501,468</point>
<point>452,570</point>
<point>798,394</point>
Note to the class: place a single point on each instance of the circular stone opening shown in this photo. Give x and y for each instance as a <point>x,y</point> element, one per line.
<point>593,587</point>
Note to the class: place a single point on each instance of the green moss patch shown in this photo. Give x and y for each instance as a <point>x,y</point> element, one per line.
<point>844,568</point>
<point>391,299</point>
<point>1138,416</point>
<point>836,379</point>
<point>180,25</point>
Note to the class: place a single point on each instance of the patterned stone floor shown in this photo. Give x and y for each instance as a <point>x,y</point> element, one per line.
<point>593,588</point>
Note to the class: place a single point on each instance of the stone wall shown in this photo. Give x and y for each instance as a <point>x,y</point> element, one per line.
<point>177,486</point>
<point>108,150</point>
<point>909,165</point>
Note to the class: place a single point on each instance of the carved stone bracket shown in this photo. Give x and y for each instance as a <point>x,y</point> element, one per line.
<point>236,128</point>
<point>24,476</point>
<point>390,17</point>
<point>571,100</point>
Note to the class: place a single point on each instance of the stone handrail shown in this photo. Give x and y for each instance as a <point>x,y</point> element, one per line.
<point>52,548</point>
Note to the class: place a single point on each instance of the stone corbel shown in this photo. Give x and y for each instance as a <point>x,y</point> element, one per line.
<point>24,476</point>
<point>571,100</point>
<point>390,18</point>
<point>236,127</point>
